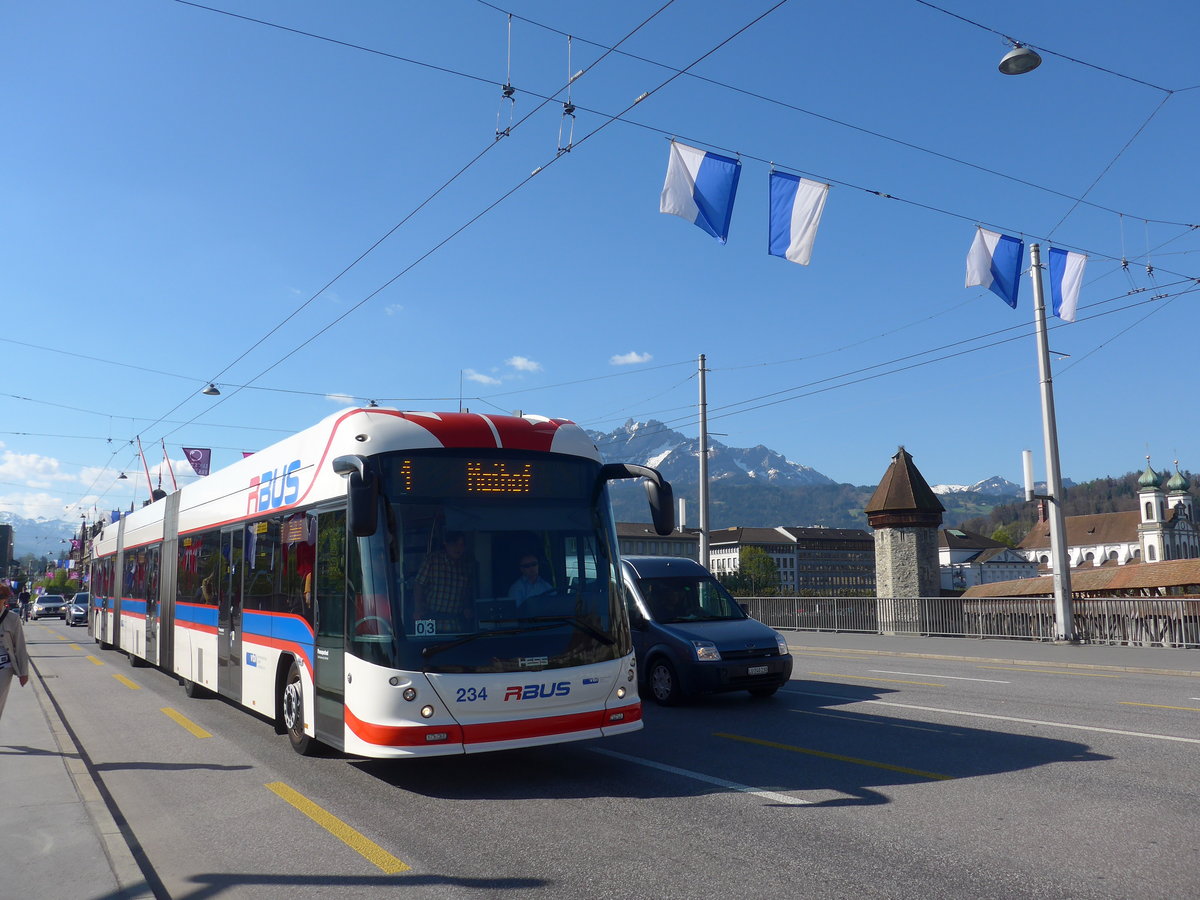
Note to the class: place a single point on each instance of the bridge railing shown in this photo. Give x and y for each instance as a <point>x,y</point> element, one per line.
<point>1134,621</point>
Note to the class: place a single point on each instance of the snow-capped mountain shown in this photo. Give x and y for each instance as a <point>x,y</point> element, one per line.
<point>41,537</point>
<point>652,443</point>
<point>994,487</point>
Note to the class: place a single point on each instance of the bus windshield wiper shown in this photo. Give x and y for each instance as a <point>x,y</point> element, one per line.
<point>579,623</point>
<point>434,649</point>
<point>549,622</point>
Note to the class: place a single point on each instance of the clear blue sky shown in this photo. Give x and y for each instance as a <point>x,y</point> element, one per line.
<point>179,182</point>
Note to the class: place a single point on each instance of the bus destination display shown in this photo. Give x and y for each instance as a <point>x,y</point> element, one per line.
<point>472,476</point>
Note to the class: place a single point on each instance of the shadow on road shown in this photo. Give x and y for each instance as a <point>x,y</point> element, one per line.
<point>815,740</point>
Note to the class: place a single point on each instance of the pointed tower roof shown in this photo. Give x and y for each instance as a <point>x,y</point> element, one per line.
<point>1178,483</point>
<point>1149,480</point>
<point>904,497</point>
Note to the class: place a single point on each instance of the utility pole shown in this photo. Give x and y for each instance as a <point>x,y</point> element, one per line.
<point>1059,557</point>
<point>703,469</point>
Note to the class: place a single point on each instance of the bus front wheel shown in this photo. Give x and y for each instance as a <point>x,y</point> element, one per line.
<point>291,705</point>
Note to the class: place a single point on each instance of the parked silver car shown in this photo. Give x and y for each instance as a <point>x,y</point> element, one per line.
<point>76,612</point>
<point>49,606</point>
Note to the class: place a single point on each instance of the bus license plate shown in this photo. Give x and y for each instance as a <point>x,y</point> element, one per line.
<point>757,670</point>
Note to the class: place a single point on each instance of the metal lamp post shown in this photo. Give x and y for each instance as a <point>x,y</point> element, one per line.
<point>1059,557</point>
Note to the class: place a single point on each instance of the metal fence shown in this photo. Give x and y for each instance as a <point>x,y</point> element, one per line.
<point>1135,621</point>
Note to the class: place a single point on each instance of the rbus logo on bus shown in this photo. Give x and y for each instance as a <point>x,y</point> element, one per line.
<point>273,489</point>
<point>537,691</point>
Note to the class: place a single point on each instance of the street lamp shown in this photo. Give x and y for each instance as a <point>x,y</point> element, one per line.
<point>1019,60</point>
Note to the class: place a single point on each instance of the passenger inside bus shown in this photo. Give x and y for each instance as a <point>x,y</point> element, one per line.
<point>443,590</point>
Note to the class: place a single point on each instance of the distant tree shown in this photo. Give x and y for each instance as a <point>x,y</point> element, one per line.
<point>1002,534</point>
<point>757,574</point>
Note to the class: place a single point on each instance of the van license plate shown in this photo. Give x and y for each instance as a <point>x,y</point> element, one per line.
<point>757,670</point>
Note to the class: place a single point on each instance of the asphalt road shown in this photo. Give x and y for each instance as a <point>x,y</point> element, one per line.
<point>867,776</point>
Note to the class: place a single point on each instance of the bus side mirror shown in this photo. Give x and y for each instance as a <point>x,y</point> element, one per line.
<point>658,492</point>
<point>362,494</point>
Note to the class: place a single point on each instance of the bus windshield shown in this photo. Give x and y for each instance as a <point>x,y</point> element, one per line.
<point>489,562</point>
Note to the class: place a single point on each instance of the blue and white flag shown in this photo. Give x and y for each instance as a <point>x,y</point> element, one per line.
<point>700,187</point>
<point>1066,275</point>
<point>796,207</point>
<point>994,262</point>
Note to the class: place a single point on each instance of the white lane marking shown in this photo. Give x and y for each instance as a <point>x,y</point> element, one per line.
<point>978,715</point>
<point>708,779</point>
<point>927,675</point>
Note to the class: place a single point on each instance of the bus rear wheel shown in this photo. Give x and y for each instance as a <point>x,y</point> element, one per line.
<point>291,706</point>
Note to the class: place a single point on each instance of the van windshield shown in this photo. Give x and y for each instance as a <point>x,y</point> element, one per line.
<point>685,598</point>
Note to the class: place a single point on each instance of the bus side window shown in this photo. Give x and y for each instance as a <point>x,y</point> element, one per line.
<point>331,581</point>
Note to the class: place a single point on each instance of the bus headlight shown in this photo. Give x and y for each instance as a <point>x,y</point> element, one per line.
<point>621,693</point>
<point>427,712</point>
<point>410,694</point>
<point>706,651</point>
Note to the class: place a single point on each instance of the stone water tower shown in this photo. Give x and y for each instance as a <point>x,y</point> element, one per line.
<point>906,516</point>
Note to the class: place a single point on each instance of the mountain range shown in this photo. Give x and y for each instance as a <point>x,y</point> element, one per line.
<point>41,537</point>
<point>760,487</point>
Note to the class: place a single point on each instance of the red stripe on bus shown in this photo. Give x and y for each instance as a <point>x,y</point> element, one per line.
<point>401,735</point>
<point>522,729</point>
<point>490,732</point>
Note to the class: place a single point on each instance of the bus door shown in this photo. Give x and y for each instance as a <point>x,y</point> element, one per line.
<point>329,585</point>
<point>229,615</point>
<point>153,558</point>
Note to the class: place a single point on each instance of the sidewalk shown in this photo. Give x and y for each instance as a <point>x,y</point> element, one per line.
<point>59,839</point>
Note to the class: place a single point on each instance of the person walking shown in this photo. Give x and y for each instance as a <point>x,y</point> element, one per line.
<point>13,658</point>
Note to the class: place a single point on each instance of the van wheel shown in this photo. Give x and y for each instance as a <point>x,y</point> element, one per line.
<point>291,706</point>
<point>664,683</point>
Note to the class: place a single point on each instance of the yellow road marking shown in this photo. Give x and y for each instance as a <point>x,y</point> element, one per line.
<point>871,678</point>
<point>186,722</point>
<point>340,830</point>
<point>1049,671</point>
<point>860,720</point>
<point>60,637</point>
<point>96,661</point>
<point>836,756</point>
<point>132,685</point>
<point>1157,705</point>
<point>76,647</point>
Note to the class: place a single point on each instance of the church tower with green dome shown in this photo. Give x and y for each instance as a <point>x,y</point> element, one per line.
<point>1153,504</point>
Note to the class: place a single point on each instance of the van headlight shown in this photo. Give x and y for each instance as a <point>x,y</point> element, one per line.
<point>706,651</point>
<point>782,643</point>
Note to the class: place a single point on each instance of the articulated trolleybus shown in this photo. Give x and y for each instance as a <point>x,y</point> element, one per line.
<point>391,584</point>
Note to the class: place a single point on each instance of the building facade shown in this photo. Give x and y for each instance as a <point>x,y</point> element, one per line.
<point>1162,528</point>
<point>811,562</point>
<point>639,539</point>
<point>967,559</point>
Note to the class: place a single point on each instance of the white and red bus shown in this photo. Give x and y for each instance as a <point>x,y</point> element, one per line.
<point>358,583</point>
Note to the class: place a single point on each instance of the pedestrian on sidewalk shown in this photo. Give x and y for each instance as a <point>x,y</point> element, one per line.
<point>13,658</point>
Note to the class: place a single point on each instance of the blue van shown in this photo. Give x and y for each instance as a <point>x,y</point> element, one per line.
<point>692,637</point>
